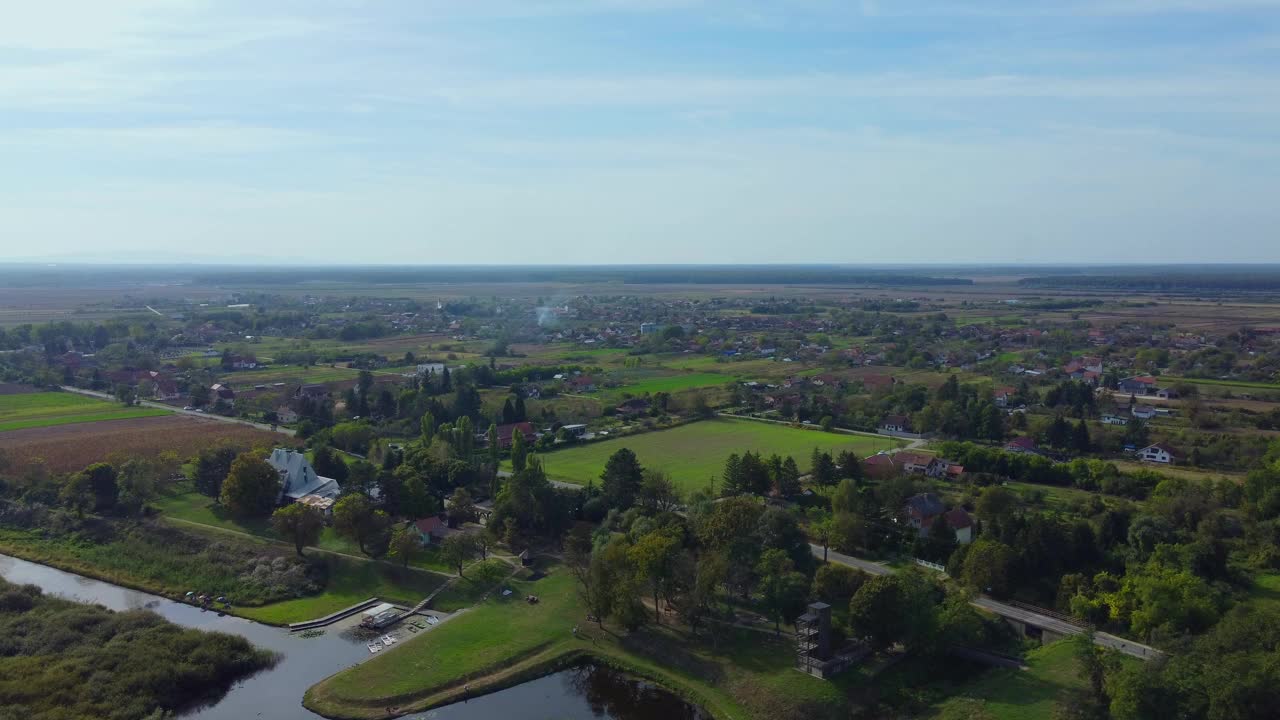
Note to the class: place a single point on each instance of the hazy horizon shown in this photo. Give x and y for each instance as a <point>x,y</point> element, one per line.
<point>558,132</point>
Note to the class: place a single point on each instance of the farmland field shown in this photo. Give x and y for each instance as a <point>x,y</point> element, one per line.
<point>694,453</point>
<point>68,448</point>
<point>1223,383</point>
<point>46,409</point>
<point>672,383</point>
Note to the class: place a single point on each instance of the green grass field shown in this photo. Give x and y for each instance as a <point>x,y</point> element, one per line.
<point>45,409</point>
<point>1222,383</point>
<point>504,639</point>
<point>696,452</point>
<point>671,384</point>
<point>294,373</point>
<point>1030,694</point>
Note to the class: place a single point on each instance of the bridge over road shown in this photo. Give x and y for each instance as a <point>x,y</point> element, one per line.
<point>1047,624</point>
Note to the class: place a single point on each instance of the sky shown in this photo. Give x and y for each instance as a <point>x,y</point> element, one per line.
<point>640,131</point>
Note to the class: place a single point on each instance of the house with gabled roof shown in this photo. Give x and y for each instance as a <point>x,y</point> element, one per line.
<point>298,479</point>
<point>1160,453</point>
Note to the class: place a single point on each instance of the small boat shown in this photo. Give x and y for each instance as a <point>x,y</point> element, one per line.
<point>374,647</point>
<point>432,619</point>
<point>388,639</point>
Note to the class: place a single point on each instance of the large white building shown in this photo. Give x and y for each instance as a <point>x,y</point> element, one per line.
<point>298,480</point>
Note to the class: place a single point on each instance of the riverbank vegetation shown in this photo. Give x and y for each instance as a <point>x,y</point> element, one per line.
<point>66,660</point>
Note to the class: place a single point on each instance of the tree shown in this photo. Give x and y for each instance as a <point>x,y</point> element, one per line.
<point>508,412</point>
<point>621,479</point>
<point>520,412</point>
<point>845,498</point>
<point>1080,437</point>
<point>788,478</point>
<point>850,465</point>
<point>462,509</point>
<point>996,503</point>
<point>836,584</point>
<point>782,588</point>
<point>848,532</point>
<point>199,395</point>
<point>657,492</point>
<point>252,486</point>
<point>298,523</point>
<point>495,447</point>
<point>1059,433</point>
<point>987,567</point>
<point>820,528</point>
<point>427,427</point>
<point>354,517</point>
<point>457,549</point>
<point>519,454</point>
<point>822,469</point>
<point>211,468</point>
<point>875,611</point>
<point>404,545</point>
<point>103,486</point>
<point>75,494</point>
<point>731,479</point>
<point>327,463</point>
<point>653,557</point>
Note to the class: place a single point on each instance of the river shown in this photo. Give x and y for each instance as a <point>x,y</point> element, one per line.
<point>583,693</point>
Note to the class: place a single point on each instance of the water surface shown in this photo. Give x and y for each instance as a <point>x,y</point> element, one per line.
<point>588,692</point>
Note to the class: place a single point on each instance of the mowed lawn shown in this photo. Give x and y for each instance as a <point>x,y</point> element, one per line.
<point>695,453</point>
<point>45,409</point>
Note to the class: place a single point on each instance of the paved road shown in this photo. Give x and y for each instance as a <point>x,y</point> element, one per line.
<point>1030,617</point>
<point>180,411</point>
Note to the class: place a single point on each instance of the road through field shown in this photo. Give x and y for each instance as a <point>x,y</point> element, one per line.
<point>180,411</point>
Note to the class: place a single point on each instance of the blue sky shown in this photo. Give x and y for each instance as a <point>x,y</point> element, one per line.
<point>682,131</point>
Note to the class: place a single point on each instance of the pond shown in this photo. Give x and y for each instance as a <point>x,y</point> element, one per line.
<point>583,693</point>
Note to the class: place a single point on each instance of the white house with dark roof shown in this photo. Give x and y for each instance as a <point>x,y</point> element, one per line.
<point>299,480</point>
<point>1159,453</point>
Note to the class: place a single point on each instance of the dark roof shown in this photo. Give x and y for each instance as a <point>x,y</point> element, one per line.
<point>899,420</point>
<point>958,519</point>
<point>926,505</point>
<point>1023,442</point>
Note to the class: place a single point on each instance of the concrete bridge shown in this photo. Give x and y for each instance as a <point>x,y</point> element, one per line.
<point>1029,621</point>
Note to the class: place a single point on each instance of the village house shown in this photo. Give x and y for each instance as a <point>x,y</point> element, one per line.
<point>506,434</point>
<point>582,384</point>
<point>1023,445</point>
<point>1159,453</point>
<point>313,391</point>
<point>1137,385</point>
<point>880,466</point>
<point>286,415</point>
<point>1142,412</point>
<point>633,407</point>
<point>917,463</point>
<point>223,392</point>
<point>1114,420</point>
<point>298,479</point>
<point>430,529</point>
<point>895,423</point>
<point>1004,396</point>
<point>922,510</point>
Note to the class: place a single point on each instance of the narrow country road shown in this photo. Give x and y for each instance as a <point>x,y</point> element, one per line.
<point>180,411</point>
<point>1024,615</point>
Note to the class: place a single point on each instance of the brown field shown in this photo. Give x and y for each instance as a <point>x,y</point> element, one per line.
<point>68,448</point>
